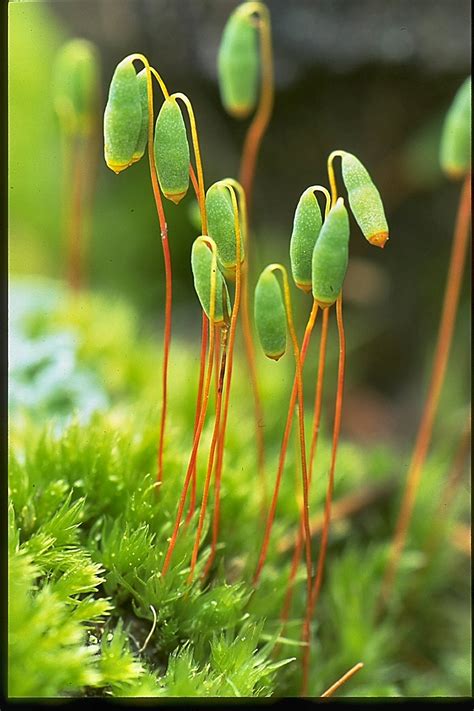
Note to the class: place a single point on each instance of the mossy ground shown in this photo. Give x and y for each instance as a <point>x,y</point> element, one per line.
<point>89,529</point>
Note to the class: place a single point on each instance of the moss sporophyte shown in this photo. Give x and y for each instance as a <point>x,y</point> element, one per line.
<point>318,257</point>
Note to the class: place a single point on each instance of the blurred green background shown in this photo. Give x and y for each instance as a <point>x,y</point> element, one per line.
<point>373,78</point>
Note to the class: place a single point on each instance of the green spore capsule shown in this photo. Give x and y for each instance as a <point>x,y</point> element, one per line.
<point>306,227</point>
<point>238,64</point>
<point>201,264</point>
<point>270,317</point>
<point>122,118</point>
<point>331,256</point>
<point>143,135</point>
<point>455,153</point>
<point>172,151</point>
<point>221,226</point>
<point>76,86</point>
<point>365,201</point>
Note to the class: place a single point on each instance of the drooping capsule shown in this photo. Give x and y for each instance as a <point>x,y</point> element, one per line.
<point>331,256</point>
<point>221,225</point>
<point>270,317</point>
<point>172,151</point>
<point>143,135</point>
<point>76,86</point>
<point>201,265</point>
<point>365,201</point>
<point>123,117</point>
<point>238,63</point>
<point>306,227</point>
<point>455,153</point>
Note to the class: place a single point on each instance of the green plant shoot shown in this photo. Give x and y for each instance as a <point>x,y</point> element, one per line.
<point>76,86</point>
<point>122,118</point>
<point>202,264</point>
<point>270,317</point>
<point>365,201</point>
<point>221,225</point>
<point>455,153</point>
<point>172,151</point>
<point>306,228</point>
<point>238,63</point>
<point>330,256</point>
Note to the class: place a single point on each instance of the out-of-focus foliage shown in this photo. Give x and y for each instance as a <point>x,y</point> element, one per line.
<point>89,530</point>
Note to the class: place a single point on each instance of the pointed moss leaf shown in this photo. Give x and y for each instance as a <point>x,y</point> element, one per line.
<point>172,151</point>
<point>201,264</point>
<point>270,317</point>
<point>221,225</point>
<point>365,201</point>
<point>238,64</point>
<point>143,135</point>
<point>122,118</point>
<point>306,227</point>
<point>76,86</point>
<point>330,256</point>
<point>455,155</point>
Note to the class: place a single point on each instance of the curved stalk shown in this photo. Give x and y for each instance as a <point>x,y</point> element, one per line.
<point>197,156</point>
<point>202,414</point>
<point>210,462</point>
<point>327,509</point>
<point>262,116</point>
<point>249,345</point>
<point>229,183</point>
<point>166,250</point>
<point>299,379</point>
<point>314,439</point>
<point>202,368</point>
<point>443,346</point>
<point>284,447</point>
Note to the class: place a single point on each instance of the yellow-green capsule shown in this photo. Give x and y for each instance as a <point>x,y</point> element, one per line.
<point>365,201</point>
<point>270,317</point>
<point>172,151</point>
<point>76,86</point>
<point>330,256</point>
<point>455,154</point>
<point>238,64</point>
<point>201,265</point>
<point>306,227</point>
<point>122,118</point>
<point>221,225</point>
<point>143,135</point>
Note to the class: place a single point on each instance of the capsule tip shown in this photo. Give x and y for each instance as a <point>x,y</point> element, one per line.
<point>379,239</point>
<point>275,356</point>
<point>239,112</point>
<point>175,197</point>
<point>304,286</point>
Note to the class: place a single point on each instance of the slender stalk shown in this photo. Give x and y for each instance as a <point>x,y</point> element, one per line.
<point>284,447</point>
<point>166,251</point>
<point>299,383</point>
<point>232,330</point>
<point>249,344</point>
<point>316,421</point>
<point>197,156</point>
<point>337,685</point>
<point>202,368</point>
<point>332,177</point>
<point>327,509</point>
<point>202,414</point>
<point>443,346</point>
<point>262,116</point>
<point>210,462</point>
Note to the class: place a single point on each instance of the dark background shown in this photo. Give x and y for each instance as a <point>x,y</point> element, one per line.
<point>371,77</point>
